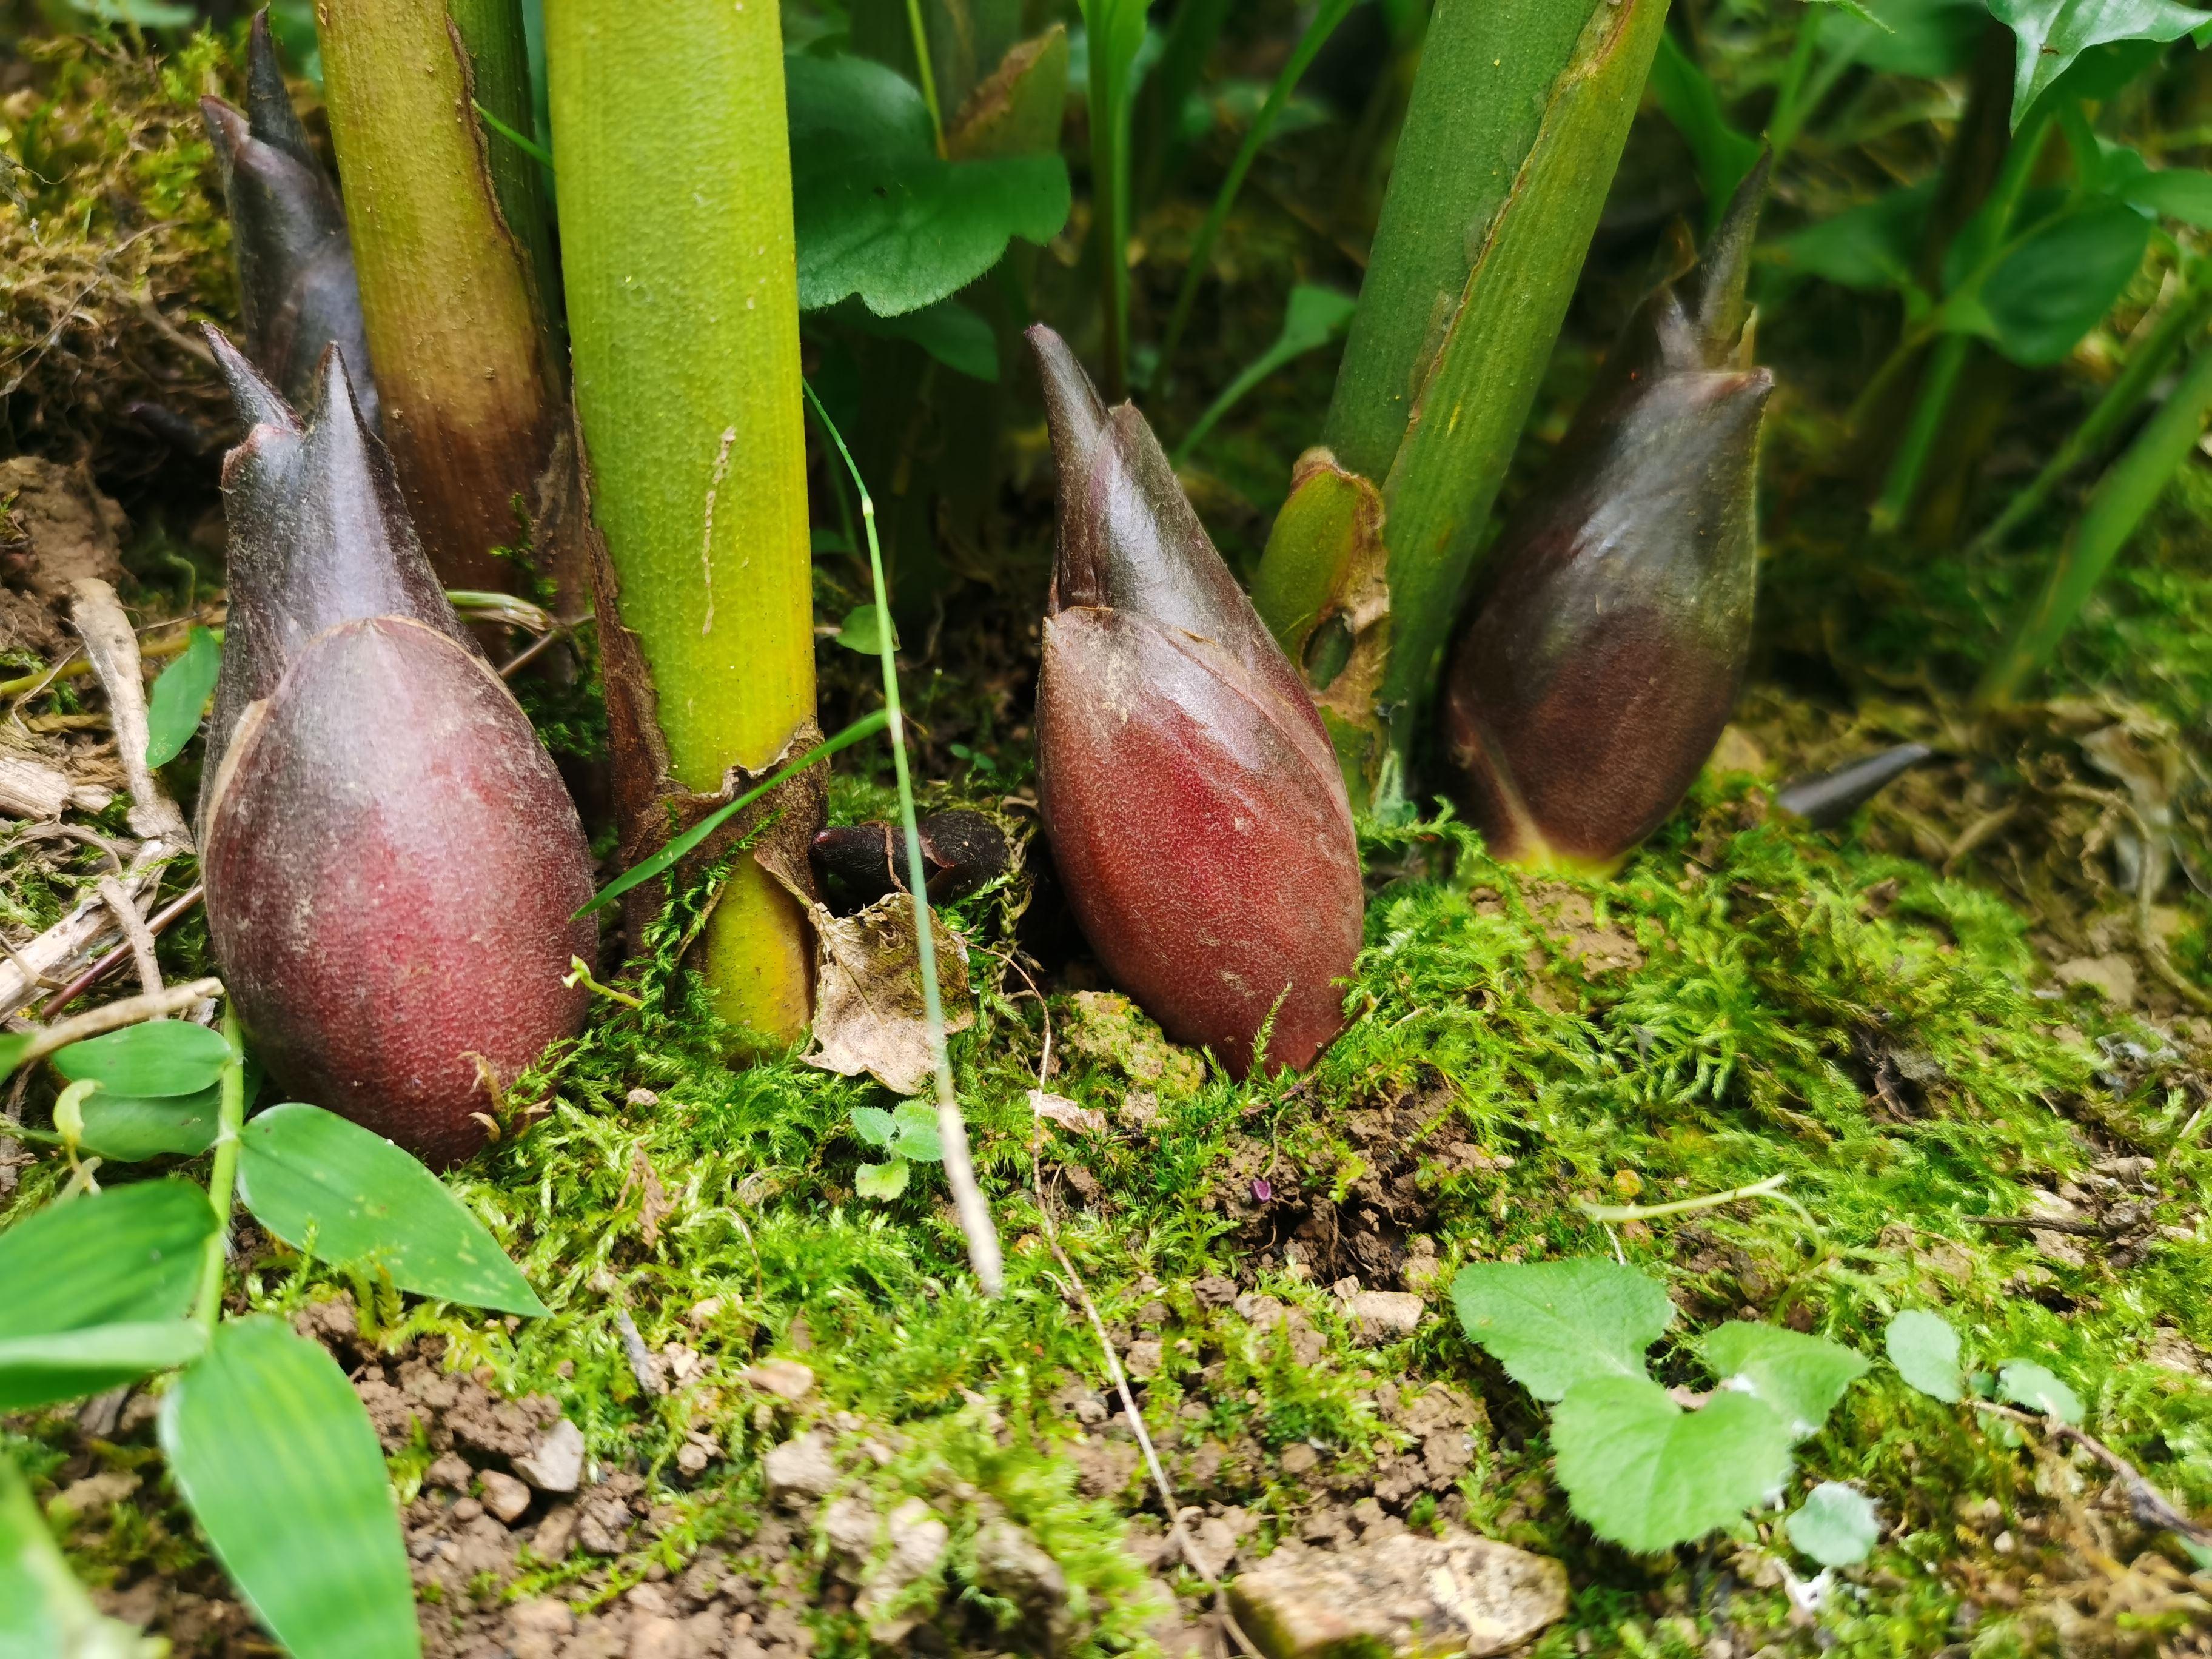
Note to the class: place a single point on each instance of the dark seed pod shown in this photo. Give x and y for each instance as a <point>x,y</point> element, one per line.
<point>859,863</point>
<point>391,860</point>
<point>1196,809</point>
<point>1603,650</point>
<point>1826,799</point>
<point>296,276</point>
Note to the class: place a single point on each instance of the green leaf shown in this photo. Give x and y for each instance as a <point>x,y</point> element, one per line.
<point>1554,1324</point>
<point>1800,1377</point>
<point>1869,248</point>
<point>948,331</point>
<point>2051,33</point>
<point>867,726</point>
<point>862,631</point>
<point>879,213</point>
<point>180,697</point>
<point>44,1611</point>
<point>130,1255</point>
<point>276,1457</point>
<point>42,1364</point>
<point>1836,1525</point>
<point>320,1183</point>
<point>874,1125</point>
<point>146,14</point>
<point>1925,1351</point>
<point>917,1133</point>
<point>1642,1472</point>
<point>2182,193</point>
<point>884,1181</point>
<point>1926,39</point>
<point>160,1058</point>
<point>2056,283</point>
<point>1686,94</point>
<point>128,1128</point>
<point>2027,1384</point>
<point>1313,317</point>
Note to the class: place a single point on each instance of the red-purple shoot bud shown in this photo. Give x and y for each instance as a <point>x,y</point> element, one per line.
<point>391,860</point>
<point>1196,809</point>
<point>295,277</point>
<point>1603,651</point>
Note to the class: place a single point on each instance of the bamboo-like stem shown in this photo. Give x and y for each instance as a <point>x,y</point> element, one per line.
<point>984,1256</point>
<point>449,283</point>
<point>1116,29</point>
<point>675,193</point>
<point>2128,490</point>
<point>1326,17</point>
<point>222,1179</point>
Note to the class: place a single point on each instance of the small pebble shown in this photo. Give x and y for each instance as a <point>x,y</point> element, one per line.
<point>504,1496</point>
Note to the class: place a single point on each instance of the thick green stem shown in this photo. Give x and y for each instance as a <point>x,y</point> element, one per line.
<point>449,241</point>
<point>1325,20</point>
<point>675,191</point>
<point>1117,29</point>
<point>1517,123</point>
<point>1930,406</point>
<point>222,1178</point>
<point>2183,319</point>
<point>2129,488</point>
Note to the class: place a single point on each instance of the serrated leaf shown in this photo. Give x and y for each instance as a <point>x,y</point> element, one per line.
<point>158,1058</point>
<point>276,1457</point>
<point>874,1125</point>
<point>2056,283</point>
<point>1642,1472</point>
<point>2051,34</point>
<point>180,697</point>
<point>1553,1324</point>
<point>318,1181</point>
<point>882,1182</point>
<point>1836,1525</point>
<point>1925,1351</point>
<point>879,213</point>
<point>127,1256</point>
<point>2034,1386</point>
<point>917,1133</point>
<point>1800,1377</point>
<point>127,1128</point>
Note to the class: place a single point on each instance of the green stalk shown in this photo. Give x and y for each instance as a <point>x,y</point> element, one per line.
<point>2129,488</point>
<point>1517,122</point>
<point>1175,75</point>
<point>2183,319</point>
<point>1929,408</point>
<point>675,191</point>
<point>984,1257</point>
<point>1326,17</point>
<point>222,1179</point>
<point>920,33</point>
<point>450,243</point>
<point>1117,29</point>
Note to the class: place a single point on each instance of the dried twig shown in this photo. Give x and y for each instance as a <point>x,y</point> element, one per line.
<point>155,925</point>
<point>163,1003</point>
<point>2151,1506</point>
<point>68,940</point>
<point>136,933</point>
<point>112,646</point>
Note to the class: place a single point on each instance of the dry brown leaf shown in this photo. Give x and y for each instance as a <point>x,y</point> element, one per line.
<point>867,993</point>
<point>1066,1113</point>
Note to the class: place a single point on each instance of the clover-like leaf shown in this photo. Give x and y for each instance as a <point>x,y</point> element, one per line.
<point>2035,1386</point>
<point>879,213</point>
<point>1553,1324</point>
<point>1800,1377</point>
<point>1836,1525</point>
<point>1642,1472</point>
<point>2052,33</point>
<point>1925,1351</point>
<point>874,1125</point>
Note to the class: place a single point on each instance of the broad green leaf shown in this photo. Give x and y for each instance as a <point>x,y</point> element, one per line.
<point>36,1364</point>
<point>879,213</point>
<point>126,1128</point>
<point>1724,153</point>
<point>2182,193</point>
<point>874,1125</point>
<point>180,697</point>
<point>1927,38</point>
<point>2056,283</point>
<point>44,1611</point>
<point>320,1183</point>
<point>1800,1377</point>
<point>1642,1472</point>
<point>1553,1324</point>
<point>127,1256</point>
<point>862,630</point>
<point>1925,1351</point>
<point>160,1058</point>
<point>2026,1383</point>
<point>2052,33</point>
<point>884,1181</point>
<point>948,331</point>
<point>917,1133</point>
<point>1872,246</point>
<point>276,1459</point>
<point>1836,1525</point>
<point>146,14</point>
